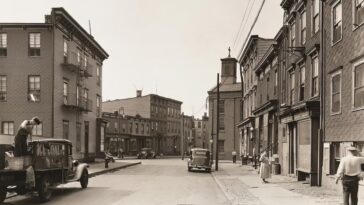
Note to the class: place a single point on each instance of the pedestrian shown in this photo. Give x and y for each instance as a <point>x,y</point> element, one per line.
<point>233,153</point>
<point>349,172</point>
<point>121,153</point>
<point>20,140</point>
<point>264,170</point>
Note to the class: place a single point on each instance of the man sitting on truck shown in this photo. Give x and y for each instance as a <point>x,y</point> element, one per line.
<point>25,129</point>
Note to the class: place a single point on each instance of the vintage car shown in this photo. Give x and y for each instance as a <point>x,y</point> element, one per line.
<point>199,159</point>
<point>52,162</point>
<point>146,153</point>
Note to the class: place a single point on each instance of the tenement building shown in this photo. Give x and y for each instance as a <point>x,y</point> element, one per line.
<point>201,136</point>
<point>164,115</point>
<point>187,133</point>
<point>229,110</point>
<point>52,70</point>
<point>344,82</point>
<point>251,141</point>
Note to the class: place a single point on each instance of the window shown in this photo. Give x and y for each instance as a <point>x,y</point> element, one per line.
<point>85,97</point>
<point>136,128</point>
<point>66,129</point>
<point>65,50</point>
<point>293,34</point>
<point>337,22</point>
<point>98,74</point>
<point>303,27</point>
<point>142,128</point>
<point>34,88</point>
<point>34,44</point>
<point>336,93</point>
<point>78,57</point>
<point>3,44</point>
<point>292,91</point>
<point>358,73</point>
<point>98,103</point>
<point>123,127</point>
<point>302,83</point>
<point>359,12</point>
<point>275,81</point>
<point>131,127</point>
<point>315,16</point>
<point>221,115</point>
<point>116,127</point>
<point>65,92</point>
<point>85,62</point>
<point>221,146</point>
<point>199,125</point>
<point>315,83</point>
<point>37,130</point>
<point>78,137</point>
<point>7,128</point>
<point>3,87</point>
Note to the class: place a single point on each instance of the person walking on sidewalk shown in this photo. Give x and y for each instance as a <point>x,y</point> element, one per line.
<point>233,153</point>
<point>264,170</point>
<point>349,172</point>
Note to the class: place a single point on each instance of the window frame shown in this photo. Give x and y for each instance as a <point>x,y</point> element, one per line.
<point>355,23</point>
<point>3,89</point>
<point>292,87</point>
<point>337,73</point>
<point>2,47</point>
<point>314,16</point>
<point>65,91</point>
<point>313,77</point>
<point>333,24</point>
<point>292,36</point>
<point>36,47</point>
<point>302,83</point>
<point>3,128</point>
<point>35,128</point>
<point>30,91</point>
<point>355,65</point>
<point>303,29</point>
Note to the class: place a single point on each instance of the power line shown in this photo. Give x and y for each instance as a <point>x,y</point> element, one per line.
<point>247,19</point>
<point>241,23</point>
<point>255,21</point>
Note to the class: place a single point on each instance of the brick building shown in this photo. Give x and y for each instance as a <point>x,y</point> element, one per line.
<point>187,133</point>
<point>229,109</point>
<point>164,115</point>
<point>52,70</point>
<point>256,47</point>
<point>201,133</point>
<point>344,81</point>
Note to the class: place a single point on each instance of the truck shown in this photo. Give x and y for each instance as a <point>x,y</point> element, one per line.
<point>52,162</point>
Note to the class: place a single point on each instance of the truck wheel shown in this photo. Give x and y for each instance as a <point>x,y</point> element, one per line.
<point>84,179</point>
<point>2,194</point>
<point>189,169</point>
<point>43,189</point>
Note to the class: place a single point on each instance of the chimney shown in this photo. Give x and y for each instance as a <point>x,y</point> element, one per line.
<point>139,93</point>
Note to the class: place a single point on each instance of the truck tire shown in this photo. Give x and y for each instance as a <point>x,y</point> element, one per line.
<point>189,168</point>
<point>2,194</point>
<point>43,189</point>
<point>84,179</point>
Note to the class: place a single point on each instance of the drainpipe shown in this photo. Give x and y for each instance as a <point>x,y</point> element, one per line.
<point>322,95</point>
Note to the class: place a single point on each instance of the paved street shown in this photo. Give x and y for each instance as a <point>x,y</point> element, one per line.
<point>163,181</point>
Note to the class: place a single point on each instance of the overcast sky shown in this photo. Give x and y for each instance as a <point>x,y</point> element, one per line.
<point>169,47</point>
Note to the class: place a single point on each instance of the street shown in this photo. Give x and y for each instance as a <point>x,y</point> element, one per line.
<point>161,181</point>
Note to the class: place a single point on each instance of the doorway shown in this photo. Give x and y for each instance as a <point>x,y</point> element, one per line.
<point>292,147</point>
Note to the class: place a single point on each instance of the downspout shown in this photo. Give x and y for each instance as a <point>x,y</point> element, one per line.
<point>322,95</point>
<point>53,67</point>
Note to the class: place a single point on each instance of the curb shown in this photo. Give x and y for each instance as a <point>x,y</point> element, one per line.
<point>227,196</point>
<point>113,169</point>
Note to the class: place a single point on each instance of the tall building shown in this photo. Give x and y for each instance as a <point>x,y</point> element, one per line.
<point>187,133</point>
<point>163,113</point>
<point>201,133</point>
<point>229,109</point>
<point>52,70</point>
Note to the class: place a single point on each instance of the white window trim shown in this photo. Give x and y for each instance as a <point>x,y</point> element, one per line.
<point>313,32</point>
<point>318,75</point>
<point>300,33</point>
<point>356,64</point>
<point>332,76</point>
<point>355,27</point>
<point>332,23</point>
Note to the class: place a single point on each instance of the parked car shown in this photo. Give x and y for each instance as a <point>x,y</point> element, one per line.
<point>52,162</point>
<point>146,153</point>
<point>199,159</point>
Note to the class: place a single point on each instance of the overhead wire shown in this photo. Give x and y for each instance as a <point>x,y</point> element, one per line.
<point>241,24</point>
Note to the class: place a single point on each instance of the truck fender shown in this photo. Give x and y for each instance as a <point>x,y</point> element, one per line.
<point>80,169</point>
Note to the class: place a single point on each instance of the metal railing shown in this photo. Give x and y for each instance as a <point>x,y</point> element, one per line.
<point>77,63</point>
<point>77,102</point>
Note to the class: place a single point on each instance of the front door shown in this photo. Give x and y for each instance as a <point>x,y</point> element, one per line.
<point>292,147</point>
<point>87,126</point>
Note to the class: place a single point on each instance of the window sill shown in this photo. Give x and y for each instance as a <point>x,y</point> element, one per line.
<point>357,109</point>
<point>357,27</point>
<point>337,42</point>
<point>336,113</point>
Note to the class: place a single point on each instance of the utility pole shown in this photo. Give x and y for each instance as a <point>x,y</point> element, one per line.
<point>217,122</point>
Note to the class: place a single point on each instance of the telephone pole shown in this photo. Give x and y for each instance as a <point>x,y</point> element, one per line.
<point>217,122</point>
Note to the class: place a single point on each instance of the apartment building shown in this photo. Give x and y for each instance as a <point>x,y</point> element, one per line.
<point>52,70</point>
<point>250,143</point>
<point>343,82</point>
<point>229,109</point>
<point>201,133</point>
<point>187,133</point>
<point>164,115</point>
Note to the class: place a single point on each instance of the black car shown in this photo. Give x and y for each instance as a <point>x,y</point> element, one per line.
<point>146,153</point>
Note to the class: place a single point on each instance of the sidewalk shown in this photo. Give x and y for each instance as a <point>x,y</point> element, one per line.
<point>98,167</point>
<point>242,186</point>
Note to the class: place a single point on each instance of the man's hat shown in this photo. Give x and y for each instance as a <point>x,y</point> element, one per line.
<point>36,120</point>
<point>352,149</point>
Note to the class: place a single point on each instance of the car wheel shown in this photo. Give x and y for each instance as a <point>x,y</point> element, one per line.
<point>2,194</point>
<point>43,189</point>
<point>189,169</point>
<point>208,170</point>
<point>84,179</point>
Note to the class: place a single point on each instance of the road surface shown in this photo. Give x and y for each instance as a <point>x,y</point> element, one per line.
<point>155,182</point>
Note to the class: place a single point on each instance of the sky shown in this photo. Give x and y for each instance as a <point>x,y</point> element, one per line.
<point>167,47</point>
